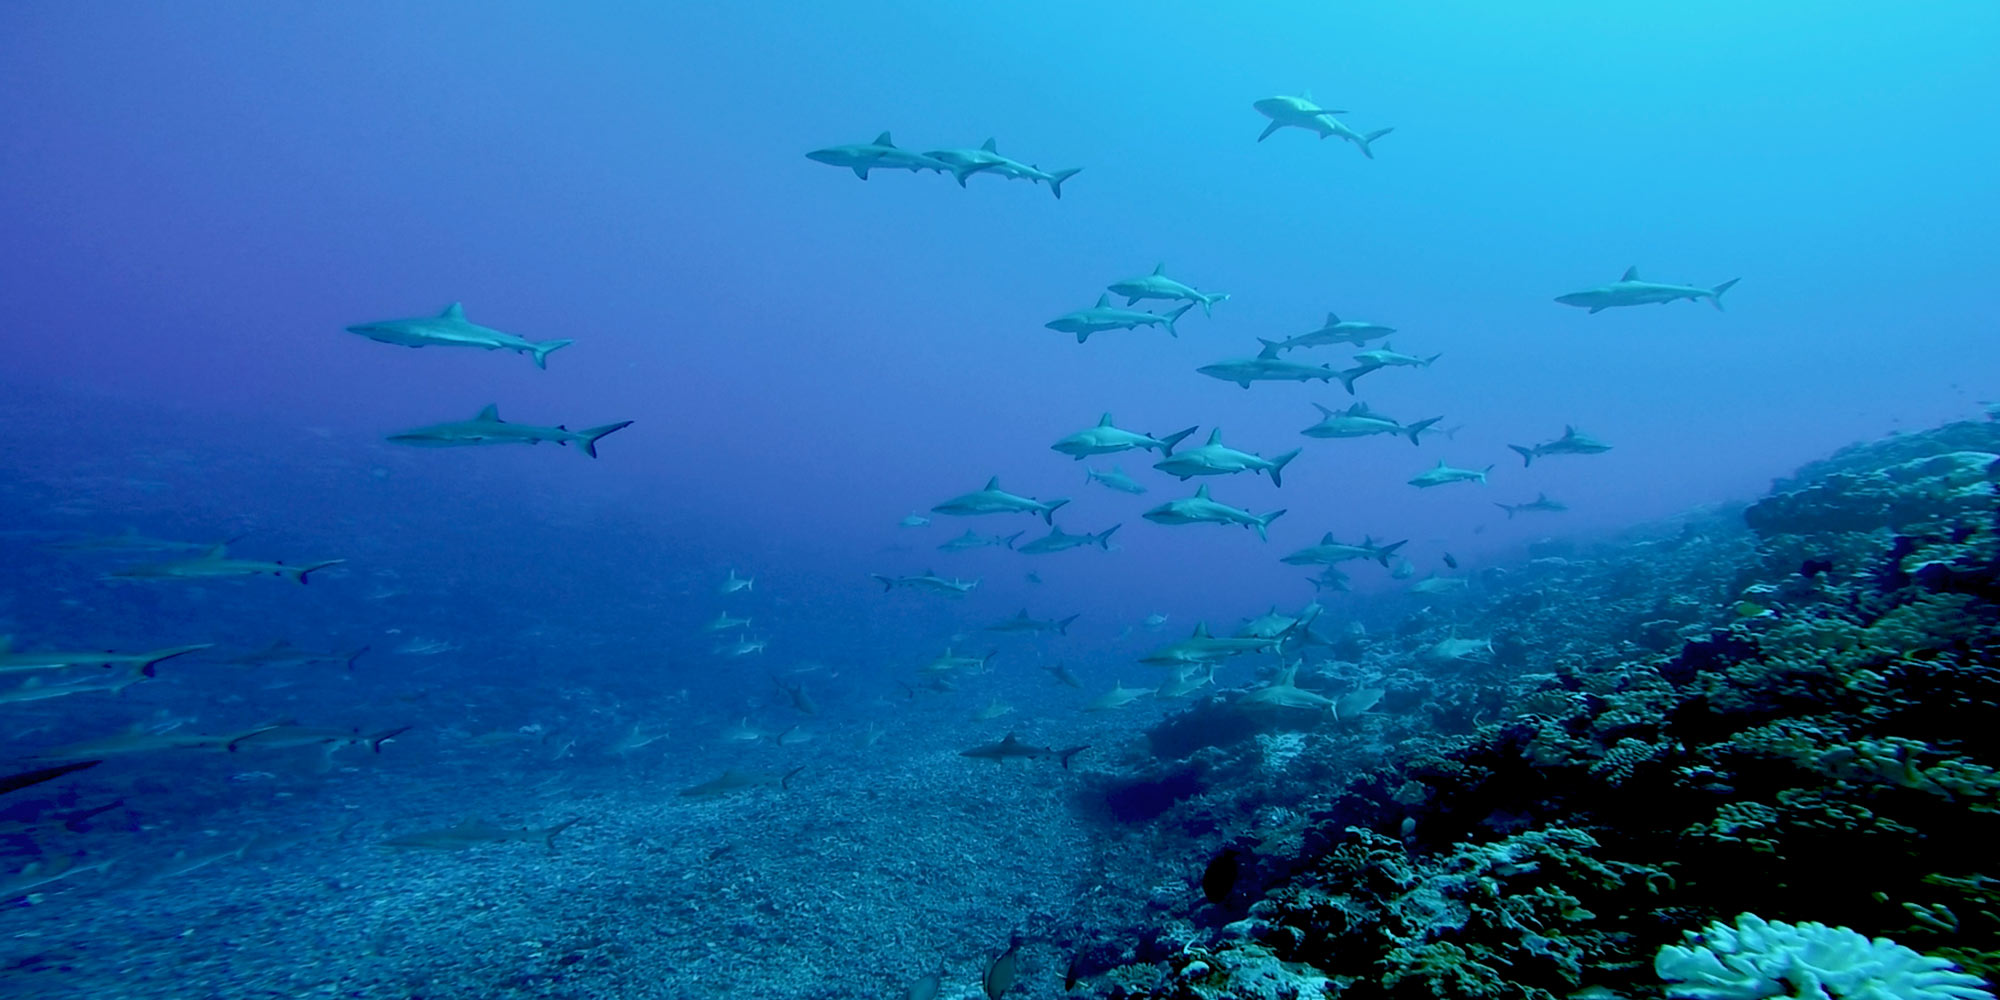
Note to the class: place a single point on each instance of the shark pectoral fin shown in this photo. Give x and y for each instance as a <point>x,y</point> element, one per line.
<point>1268,129</point>
<point>861,171</point>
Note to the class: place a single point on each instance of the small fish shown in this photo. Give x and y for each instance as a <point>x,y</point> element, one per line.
<point>913,520</point>
<point>1449,561</point>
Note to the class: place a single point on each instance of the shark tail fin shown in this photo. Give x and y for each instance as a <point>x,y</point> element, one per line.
<point>786,781</point>
<point>1527,454</point>
<point>1416,430</point>
<point>591,435</point>
<point>1433,359</point>
<point>542,349</point>
<point>1175,438</point>
<point>1065,755</point>
<point>549,835</point>
<point>1015,537</point>
<point>1056,180</point>
<point>1104,537</point>
<point>1278,466</point>
<point>1715,294</point>
<point>1265,522</point>
<point>1062,627</point>
<point>351,657</point>
<point>1177,314</point>
<point>1509,508</point>
<point>1369,138</point>
<point>1049,510</point>
<point>1347,376</point>
<point>300,573</point>
<point>1208,301</point>
<point>887,584</point>
<point>376,740</point>
<point>1382,555</point>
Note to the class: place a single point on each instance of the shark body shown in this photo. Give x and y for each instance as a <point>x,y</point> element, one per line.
<point>487,428</point>
<point>450,328</point>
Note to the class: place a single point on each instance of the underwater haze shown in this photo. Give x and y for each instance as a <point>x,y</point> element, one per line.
<point>210,210</point>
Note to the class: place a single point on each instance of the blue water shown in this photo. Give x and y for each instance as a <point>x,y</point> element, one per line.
<point>196,200</point>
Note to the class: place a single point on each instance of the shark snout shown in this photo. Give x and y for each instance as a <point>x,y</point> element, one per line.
<point>824,156</point>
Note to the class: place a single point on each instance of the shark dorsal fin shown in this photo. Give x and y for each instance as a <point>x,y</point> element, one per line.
<point>1201,492</point>
<point>990,146</point>
<point>1104,421</point>
<point>1332,319</point>
<point>883,140</point>
<point>1541,498</point>
<point>1326,539</point>
<point>1287,677</point>
<point>1569,431</point>
<point>1023,615</point>
<point>1631,273</point>
<point>1160,268</point>
<point>453,311</point>
<point>491,413</point>
<point>1306,96</point>
<point>1009,740</point>
<point>1201,630</point>
<point>1440,463</point>
<point>928,572</point>
<point>1215,436</point>
<point>1104,300</point>
<point>993,483</point>
<point>217,552</point>
<point>6,643</point>
<point>1324,412</point>
<point>1358,410</point>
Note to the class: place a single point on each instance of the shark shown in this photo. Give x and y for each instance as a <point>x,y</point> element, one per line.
<point>994,500</point>
<point>474,832</point>
<point>1104,316</point>
<point>927,580</point>
<point>1158,286</point>
<point>286,737</point>
<point>486,427</point>
<point>1058,540</point>
<point>1023,623</point>
<point>283,654</point>
<point>1106,439</point>
<point>1218,459</point>
<point>14,662</point>
<point>1118,697</point>
<point>26,779</point>
<point>1012,748</point>
<point>1360,421</point>
<point>723,623</point>
<point>1267,366</point>
<point>731,781</point>
<point>450,328</point>
<point>1387,357</point>
<point>949,662</point>
<point>1186,680</point>
<point>963,163</point>
<point>1201,647</point>
<point>1300,112</point>
<point>1284,692</point>
<point>139,740</point>
<point>129,541</point>
<point>216,564</point>
<point>1115,479</point>
<point>882,154</point>
<point>1442,474</point>
<point>1331,553</point>
<point>41,688</point>
<point>1337,331</point>
<point>1572,442</point>
<point>1540,504</point>
<point>42,873</point>
<point>742,647</point>
<point>1062,674</point>
<point>1330,578</point>
<point>913,520</point>
<point>1439,585</point>
<point>974,540</point>
<point>1631,290</point>
<point>733,583</point>
<point>1456,650</point>
<point>1202,509</point>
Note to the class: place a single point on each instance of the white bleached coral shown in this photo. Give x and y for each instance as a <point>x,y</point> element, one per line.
<point>1809,961</point>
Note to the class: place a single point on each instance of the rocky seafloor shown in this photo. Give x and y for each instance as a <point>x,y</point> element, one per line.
<point>1785,709</point>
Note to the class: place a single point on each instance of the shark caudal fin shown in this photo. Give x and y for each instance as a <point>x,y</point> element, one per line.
<point>1049,511</point>
<point>543,348</point>
<point>1509,508</point>
<point>1011,539</point>
<point>1065,755</point>
<point>375,740</point>
<point>1177,314</point>
<point>1104,537</point>
<point>1365,140</point>
<point>1062,627</point>
<point>1210,300</point>
<point>1264,522</point>
<point>300,573</point>
<point>590,436</point>
<point>1056,180</point>
<point>1382,554</point>
<point>351,657</point>
<point>1278,466</point>
<point>1173,439</point>
<point>1347,376</point>
<point>887,584</point>
<point>549,835</point>
<point>1715,294</point>
<point>1416,430</point>
<point>1527,454</point>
